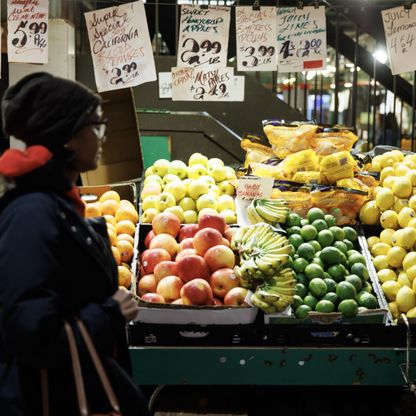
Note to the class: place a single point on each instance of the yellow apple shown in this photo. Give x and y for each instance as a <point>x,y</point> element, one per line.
<point>178,211</point>
<point>178,168</point>
<point>226,188</point>
<point>215,161</point>
<point>149,214</point>
<point>171,178</point>
<point>160,167</point>
<point>190,217</point>
<point>187,204</point>
<point>218,172</point>
<point>197,158</point>
<point>206,201</point>
<point>207,211</point>
<point>208,179</point>
<point>153,178</point>
<point>196,171</point>
<point>214,190</point>
<point>177,189</point>
<point>229,216</point>
<point>152,188</point>
<point>230,173</point>
<point>149,171</point>
<point>166,200</point>
<point>197,188</point>
<point>225,202</point>
<point>151,201</point>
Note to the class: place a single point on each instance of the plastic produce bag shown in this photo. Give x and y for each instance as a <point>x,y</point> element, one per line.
<point>337,166</point>
<point>255,151</point>
<point>307,177</point>
<point>303,161</point>
<point>332,141</point>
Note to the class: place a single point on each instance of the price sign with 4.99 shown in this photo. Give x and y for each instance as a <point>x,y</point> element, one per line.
<point>27,25</point>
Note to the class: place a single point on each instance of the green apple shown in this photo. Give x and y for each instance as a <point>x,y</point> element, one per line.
<point>186,183</point>
<point>229,215</point>
<point>231,175</point>
<point>197,188</point>
<point>160,167</point>
<point>149,214</point>
<point>178,168</point>
<point>215,161</point>
<point>206,201</point>
<point>218,172</point>
<point>208,179</point>
<point>151,201</point>
<point>149,171</point>
<point>214,190</point>
<point>225,202</point>
<point>178,211</point>
<point>166,200</point>
<point>152,188</point>
<point>207,211</point>
<point>187,204</point>
<point>197,159</point>
<point>190,216</point>
<point>196,171</point>
<point>153,178</point>
<point>171,178</point>
<point>177,189</point>
<point>226,188</point>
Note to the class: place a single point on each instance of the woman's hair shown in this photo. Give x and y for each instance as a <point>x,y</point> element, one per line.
<point>46,110</point>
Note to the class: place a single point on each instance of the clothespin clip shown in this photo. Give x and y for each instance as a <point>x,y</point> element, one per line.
<point>316,4</point>
<point>407,5</point>
<point>204,6</point>
<point>256,5</point>
<point>299,4</point>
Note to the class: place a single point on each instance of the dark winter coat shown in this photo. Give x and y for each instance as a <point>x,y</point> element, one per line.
<point>54,265</point>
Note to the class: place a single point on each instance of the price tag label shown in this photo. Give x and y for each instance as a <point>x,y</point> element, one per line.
<point>301,37</point>
<point>203,36</point>
<point>400,30</point>
<point>165,85</point>
<point>254,187</point>
<point>27,31</point>
<point>120,46</point>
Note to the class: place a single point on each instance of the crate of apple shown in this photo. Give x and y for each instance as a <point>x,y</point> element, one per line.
<point>189,264</point>
<point>189,190</point>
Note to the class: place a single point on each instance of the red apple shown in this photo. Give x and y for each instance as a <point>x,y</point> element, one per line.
<point>170,288</point>
<point>197,292</point>
<point>177,302</point>
<point>225,242</point>
<point>222,281</point>
<point>167,242</point>
<point>218,257</point>
<point>185,253</point>
<point>205,239</point>
<point>192,267</point>
<point>229,232</point>
<point>166,223</point>
<point>147,284</point>
<point>217,302</point>
<point>236,296</point>
<point>142,272</point>
<point>163,269</point>
<point>187,231</point>
<point>153,298</point>
<point>148,238</point>
<point>212,221</point>
<point>186,243</point>
<point>152,257</point>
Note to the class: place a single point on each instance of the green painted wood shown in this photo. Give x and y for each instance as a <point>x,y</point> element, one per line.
<point>268,366</point>
<point>154,148</point>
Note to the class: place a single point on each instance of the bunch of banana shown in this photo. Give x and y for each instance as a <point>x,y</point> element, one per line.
<point>276,294</point>
<point>271,211</point>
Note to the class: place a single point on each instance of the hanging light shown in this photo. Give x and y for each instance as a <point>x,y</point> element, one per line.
<point>380,55</point>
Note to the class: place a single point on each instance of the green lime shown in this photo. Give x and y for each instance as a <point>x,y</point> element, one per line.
<point>343,259</point>
<point>330,284</point>
<point>306,251</point>
<point>330,220</point>
<point>360,270</point>
<point>293,220</point>
<point>367,287</point>
<point>367,300</point>
<point>337,272</point>
<point>300,264</point>
<point>315,214</point>
<point>351,252</point>
<point>318,287</point>
<point>310,300</point>
<point>324,306</point>
<point>297,301</point>
<point>337,232</point>
<point>355,258</point>
<point>325,238</point>
<point>314,270</point>
<point>320,225</point>
<point>332,297</point>
<point>315,245</point>
<point>303,222</point>
<point>327,275</point>
<point>293,230</point>
<point>301,290</point>
<point>308,232</point>
<point>296,240</point>
<point>350,234</point>
<point>355,281</point>
<point>349,244</point>
<point>346,290</point>
<point>302,311</point>
<point>341,246</point>
<point>318,261</point>
<point>292,250</point>
<point>348,308</point>
<point>331,255</point>
<point>301,278</point>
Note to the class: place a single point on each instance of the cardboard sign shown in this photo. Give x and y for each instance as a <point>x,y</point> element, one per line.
<point>400,30</point>
<point>205,84</point>
<point>27,31</point>
<point>203,36</point>
<point>256,32</point>
<point>165,85</point>
<point>120,46</point>
<point>301,37</point>
<point>254,187</point>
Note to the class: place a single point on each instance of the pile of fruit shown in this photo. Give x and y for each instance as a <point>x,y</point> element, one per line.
<point>121,218</point>
<point>270,211</point>
<point>331,274</point>
<point>190,264</point>
<point>188,191</point>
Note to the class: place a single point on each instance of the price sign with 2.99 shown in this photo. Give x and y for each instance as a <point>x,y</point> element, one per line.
<point>27,24</point>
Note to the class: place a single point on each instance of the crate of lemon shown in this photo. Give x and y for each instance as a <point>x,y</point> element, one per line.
<point>117,204</point>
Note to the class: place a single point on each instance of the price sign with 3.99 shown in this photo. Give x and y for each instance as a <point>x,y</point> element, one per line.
<point>27,25</point>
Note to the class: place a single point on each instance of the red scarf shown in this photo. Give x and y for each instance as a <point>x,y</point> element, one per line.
<point>14,163</point>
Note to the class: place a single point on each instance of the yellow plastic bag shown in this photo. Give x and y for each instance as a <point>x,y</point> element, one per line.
<point>268,171</point>
<point>307,177</point>
<point>303,161</point>
<point>298,201</point>
<point>337,166</point>
<point>328,143</point>
<point>353,183</point>
<point>255,152</point>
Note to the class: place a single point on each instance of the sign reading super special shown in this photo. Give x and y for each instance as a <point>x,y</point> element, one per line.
<point>120,46</point>
<point>301,37</point>
<point>27,31</point>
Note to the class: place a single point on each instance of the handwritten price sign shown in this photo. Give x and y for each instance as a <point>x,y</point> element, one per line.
<point>203,36</point>
<point>120,46</point>
<point>400,30</point>
<point>256,39</point>
<point>301,37</point>
<point>27,26</point>
<point>254,187</point>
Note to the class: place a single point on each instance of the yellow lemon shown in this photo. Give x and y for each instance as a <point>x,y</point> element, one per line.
<point>400,169</point>
<point>386,236</point>
<point>126,212</point>
<point>412,223</point>
<point>385,199</point>
<point>380,249</point>
<point>395,256</point>
<point>375,166</point>
<point>411,313</point>
<point>402,187</point>
<point>405,238</point>
<point>372,241</point>
<point>400,203</point>
<point>385,173</point>
<point>412,202</point>
<point>409,260</point>
<point>387,160</point>
<point>385,275</point>
<point>405,299</point>
<point>394,309</point>
<point>411,174</point>
<point>411,273</point>
<point>110,219</point>
<point>388,219</point>
<point>405,215</point>
<point>93,209</point>
<point>390,289</point>
<point>389,181</point>
<point>110,195</point>
<point>109,207</point>
<point>369,213</point>
<point>403,279</point>
<point>397,154</point>
<point>380,262</point>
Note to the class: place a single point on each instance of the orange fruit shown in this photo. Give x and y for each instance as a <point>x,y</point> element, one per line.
<point>127,212</point>
<point>126,250</point>
<point>116,254</point>
<point>93,209</point>
<point>126,202</point>
<point>126,237</point>
<point>109,219</point>
<point>109,207</point>
<point>112,236</point>
<point>125,265</point>
<point>110,195</point>
<point>124,277</point>
<point>125,227</point>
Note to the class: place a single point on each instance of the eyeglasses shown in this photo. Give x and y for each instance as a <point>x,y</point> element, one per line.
<point>99,128</point>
